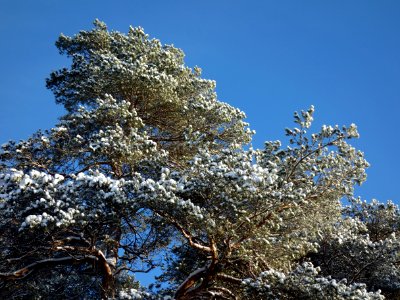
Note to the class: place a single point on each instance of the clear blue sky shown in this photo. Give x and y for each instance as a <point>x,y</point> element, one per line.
<point>269,58</point>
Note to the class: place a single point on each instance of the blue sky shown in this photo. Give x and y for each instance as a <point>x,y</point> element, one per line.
<point>269,58</point>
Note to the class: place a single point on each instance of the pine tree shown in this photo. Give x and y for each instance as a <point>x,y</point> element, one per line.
<point>148,169</point>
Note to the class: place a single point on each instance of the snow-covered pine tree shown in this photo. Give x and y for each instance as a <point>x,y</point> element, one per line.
<point>147,169</point>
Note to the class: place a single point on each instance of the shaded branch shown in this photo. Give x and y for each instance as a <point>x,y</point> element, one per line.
<point>36,266</point>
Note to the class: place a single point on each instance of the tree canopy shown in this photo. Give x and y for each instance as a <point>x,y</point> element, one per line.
<point>148,170</point>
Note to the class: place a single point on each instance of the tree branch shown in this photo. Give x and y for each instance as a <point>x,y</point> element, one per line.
<point>33,267</point>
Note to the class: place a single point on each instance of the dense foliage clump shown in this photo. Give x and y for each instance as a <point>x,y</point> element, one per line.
<point>148,170</point>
